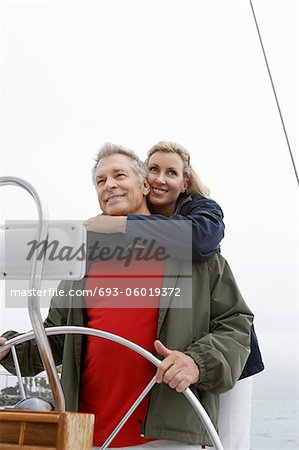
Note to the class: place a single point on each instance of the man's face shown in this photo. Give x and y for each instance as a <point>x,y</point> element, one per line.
<point>118,186</point>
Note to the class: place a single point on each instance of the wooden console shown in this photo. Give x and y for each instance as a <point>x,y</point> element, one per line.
<point>32,430</point>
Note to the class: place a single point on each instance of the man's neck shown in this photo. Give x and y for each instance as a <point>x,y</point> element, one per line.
<point>142,210</point>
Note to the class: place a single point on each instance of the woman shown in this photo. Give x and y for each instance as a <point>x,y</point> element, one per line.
<point>177,193</point>
<point>176,189</point>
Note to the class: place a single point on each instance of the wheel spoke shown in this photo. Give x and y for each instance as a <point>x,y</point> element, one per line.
<point>129,413</point>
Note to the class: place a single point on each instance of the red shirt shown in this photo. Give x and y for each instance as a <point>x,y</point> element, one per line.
<point>113,375</point>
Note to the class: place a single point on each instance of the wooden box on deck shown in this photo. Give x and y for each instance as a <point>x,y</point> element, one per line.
<point>32,430</point>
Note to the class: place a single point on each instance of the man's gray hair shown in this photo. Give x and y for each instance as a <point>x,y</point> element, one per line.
<point>109,148</point>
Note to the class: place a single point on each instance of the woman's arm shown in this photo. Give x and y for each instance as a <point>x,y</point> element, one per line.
<point>205,217</point>
<point>197,228</point>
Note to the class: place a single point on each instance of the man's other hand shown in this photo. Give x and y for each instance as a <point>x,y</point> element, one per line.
<point>3,354</point>
<point>177,369</point>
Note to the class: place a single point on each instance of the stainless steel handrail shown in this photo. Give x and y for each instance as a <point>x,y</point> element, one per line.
<point>18,371</point>
<point>202,414</point>
<point>34,301</point>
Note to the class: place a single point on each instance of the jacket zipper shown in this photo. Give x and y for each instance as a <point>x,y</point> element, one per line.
<point>141,427</point>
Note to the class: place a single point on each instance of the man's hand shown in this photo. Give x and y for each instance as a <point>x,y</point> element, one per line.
<point>177,369</point>
<point>106,224</point>
<point>3,354</point>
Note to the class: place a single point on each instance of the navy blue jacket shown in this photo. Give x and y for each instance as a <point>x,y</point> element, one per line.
<point>206,217</point>
<point>204,214</point>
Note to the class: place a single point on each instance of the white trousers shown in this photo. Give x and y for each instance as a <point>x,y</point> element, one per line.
<point>234,423</point>
<point>235,416</point>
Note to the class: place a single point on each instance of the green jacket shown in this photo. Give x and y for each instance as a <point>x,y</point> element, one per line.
<point>214,331</point>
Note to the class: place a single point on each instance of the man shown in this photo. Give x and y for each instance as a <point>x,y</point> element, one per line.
<point>204,346</point>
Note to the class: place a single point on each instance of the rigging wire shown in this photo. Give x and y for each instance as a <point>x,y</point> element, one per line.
<point>275,94</point>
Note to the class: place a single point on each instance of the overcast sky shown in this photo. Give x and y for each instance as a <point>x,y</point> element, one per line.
<point>76,74</point>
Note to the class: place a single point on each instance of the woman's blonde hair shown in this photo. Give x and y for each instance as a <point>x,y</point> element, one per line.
<point>194,183</point>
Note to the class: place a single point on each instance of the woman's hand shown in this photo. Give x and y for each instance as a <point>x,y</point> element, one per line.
<point>106,224</point>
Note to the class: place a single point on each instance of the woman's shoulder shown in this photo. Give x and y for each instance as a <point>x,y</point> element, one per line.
<point>192,201</point>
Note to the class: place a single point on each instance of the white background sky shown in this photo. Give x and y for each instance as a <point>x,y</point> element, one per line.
<point>76,74</point>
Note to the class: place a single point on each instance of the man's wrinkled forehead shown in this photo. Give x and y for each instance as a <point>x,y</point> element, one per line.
<point>113,164</point>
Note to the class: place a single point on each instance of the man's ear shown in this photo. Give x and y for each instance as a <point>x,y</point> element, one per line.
<point>145,188</point>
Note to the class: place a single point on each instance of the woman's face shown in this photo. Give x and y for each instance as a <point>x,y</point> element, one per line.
<point>166,180</point>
